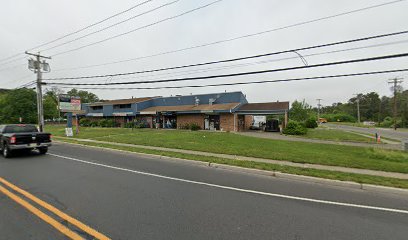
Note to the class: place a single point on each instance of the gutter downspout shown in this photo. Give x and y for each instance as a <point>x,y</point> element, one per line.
<point>235,120</point>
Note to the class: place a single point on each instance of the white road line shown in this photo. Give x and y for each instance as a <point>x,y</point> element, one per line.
<point>237,189</point>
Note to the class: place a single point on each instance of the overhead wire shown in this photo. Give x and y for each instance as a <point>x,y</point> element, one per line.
<point>240,73</point>
<point>247,82</point>
<point>229,39</point>
<point>11,67</point>
<point>111,26</point>
<point>81,29</point>
<point>241,58</point>
<point>211,69</point>
<point>142,27</point>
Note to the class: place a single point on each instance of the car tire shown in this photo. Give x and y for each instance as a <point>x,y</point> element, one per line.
<point>6,151</point>
<point>43,150</point>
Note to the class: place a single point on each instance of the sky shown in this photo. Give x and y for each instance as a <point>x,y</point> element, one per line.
<point>26,24</point>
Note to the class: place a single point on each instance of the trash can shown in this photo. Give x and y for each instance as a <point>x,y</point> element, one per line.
<point>405,145</point>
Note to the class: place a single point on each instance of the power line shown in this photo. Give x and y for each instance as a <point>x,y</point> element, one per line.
<point>201,70</point>
<point>111,26</point>
<point>247,83</point>
<point>80,30</point>
<point>238,74</point>
<point>142,27</point>
<point>26,85</point>
<point>11,67</point>
<point>241,58</point>
<point>235,38</point>
<point>18,79</point>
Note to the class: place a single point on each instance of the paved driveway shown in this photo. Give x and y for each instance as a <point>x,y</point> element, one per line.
<point>399,134</point>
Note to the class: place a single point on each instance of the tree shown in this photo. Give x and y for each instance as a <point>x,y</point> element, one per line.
<point>86,97</point>
<point>18,103</point>
<point>53,93</point>
<point>50,107</point>
<point>300,111</point>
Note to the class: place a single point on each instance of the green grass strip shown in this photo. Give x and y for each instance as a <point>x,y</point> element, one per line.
<point>359,178</point>
<point>238,145</point>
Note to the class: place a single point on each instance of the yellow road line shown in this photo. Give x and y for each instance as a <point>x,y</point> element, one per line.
<point>56,211</point>
<point>42,215</point>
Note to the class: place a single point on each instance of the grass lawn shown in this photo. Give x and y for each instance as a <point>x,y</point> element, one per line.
<point>360,178</point>
<point>336,135</point>
<point>230,143</point>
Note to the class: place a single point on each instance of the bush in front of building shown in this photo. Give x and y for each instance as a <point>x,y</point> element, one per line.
<point>190,126</point>
<point>137,125</point>
<point>109,123</point>
<point>84,122</point>
<point>94,124</point>
<point>295,128</point>
<point>194,127</point>
<point>311,123</point>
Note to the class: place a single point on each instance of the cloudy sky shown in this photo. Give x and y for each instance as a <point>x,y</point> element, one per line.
<point>26,24</point>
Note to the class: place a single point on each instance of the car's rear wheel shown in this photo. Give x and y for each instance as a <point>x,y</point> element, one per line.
<point>43,150</point>
<point>6,151</point>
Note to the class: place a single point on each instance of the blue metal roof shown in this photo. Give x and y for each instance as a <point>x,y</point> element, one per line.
<point>215,98</point>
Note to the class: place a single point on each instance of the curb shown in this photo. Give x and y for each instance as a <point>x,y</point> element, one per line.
<point>276,174</point>
<point>343,169</point>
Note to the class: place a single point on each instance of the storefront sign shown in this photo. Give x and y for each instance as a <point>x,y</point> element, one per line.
<point>69,103</point>
<point>148,113</point>
<point>94,114</point>
<point>122,114</point>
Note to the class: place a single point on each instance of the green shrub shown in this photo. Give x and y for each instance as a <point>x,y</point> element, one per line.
<point>85,122</point>
<point>339,117</point>
<point>389,122</point>
<point>295,128</point>
<point>94,124</point>
<point>311,123</point>
<point>108,123</point>
<point>194,127</point>
<point>129,125</point>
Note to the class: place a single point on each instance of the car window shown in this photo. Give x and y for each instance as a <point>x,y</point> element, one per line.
<point>20,128</point>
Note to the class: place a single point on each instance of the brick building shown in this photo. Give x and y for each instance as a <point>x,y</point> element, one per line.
<point>229,111</point>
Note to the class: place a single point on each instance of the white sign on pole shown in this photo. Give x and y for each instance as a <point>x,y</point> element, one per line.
<point>69,132</point>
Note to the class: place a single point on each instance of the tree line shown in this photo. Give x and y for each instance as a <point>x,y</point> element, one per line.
<point>373,108</point>
<point>21,104</point>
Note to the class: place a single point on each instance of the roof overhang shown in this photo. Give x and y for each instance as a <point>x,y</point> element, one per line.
<point>261,112</point>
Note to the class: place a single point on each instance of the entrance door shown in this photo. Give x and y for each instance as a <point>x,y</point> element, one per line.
<point>206,124</point>
<point>214,122</point>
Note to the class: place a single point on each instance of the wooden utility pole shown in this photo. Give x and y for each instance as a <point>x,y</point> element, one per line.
<point>318,108</point>
<point>395,82</point>
<point>358,108</point>
<point>39,67</point>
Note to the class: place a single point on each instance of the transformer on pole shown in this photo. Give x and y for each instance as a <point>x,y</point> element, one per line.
<point>39,68</point>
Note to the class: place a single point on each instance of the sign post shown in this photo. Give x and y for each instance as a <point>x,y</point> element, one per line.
<point>70,105</point>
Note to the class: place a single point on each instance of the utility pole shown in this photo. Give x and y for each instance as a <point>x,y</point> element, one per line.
<point>318,108</point>
<point>39,67</point>
<point>358,108</point>
<point>395,82</point>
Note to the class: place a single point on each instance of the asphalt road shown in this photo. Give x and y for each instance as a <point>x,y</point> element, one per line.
<point>400,135</point>
<point>127,196</point>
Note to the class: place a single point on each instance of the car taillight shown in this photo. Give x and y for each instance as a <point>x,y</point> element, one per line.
<point>13,139</point>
